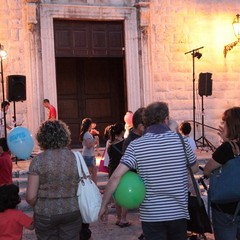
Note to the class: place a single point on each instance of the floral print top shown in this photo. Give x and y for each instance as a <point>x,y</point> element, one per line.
<point>58,181</point>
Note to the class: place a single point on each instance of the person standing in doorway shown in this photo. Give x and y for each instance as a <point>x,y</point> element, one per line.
<point>4,108</point>
<point>52,113</point>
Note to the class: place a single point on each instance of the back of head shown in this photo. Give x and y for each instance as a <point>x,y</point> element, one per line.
<point>46,100</point>
<point>137,117</point>
<point>116,130</point>
<point>4,104</point>
<point>155,113</point>
<point>53,134</point>
<point>107,132</point>
<point>86,124</point>
<point>128,118</point>
<point>4,145</point>
<point>231,117</point>
<point>9,197</point>
<point>185,128</point>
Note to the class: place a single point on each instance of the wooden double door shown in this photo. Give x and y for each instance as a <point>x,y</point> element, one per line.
<point>89,86</point>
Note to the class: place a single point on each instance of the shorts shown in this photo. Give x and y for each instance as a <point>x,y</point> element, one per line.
<point>90,161</point>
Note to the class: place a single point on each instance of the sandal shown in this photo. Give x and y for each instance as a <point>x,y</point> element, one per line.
<point>123,225</point>
<point>117,222</point>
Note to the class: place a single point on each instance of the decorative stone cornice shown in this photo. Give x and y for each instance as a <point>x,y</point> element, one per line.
<point>144,12</point>
<point>32,16</point>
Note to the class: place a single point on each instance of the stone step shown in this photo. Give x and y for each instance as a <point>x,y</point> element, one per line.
<point>21,182</point>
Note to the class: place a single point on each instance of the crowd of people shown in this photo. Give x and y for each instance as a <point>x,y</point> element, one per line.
<point>148,144</point>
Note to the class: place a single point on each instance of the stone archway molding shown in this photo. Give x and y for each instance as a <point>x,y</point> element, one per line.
<point>48,12</point>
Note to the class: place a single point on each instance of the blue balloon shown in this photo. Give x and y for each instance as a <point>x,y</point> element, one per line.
<point>20,142</point>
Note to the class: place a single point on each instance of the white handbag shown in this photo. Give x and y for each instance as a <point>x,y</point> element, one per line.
<point>89,196</point>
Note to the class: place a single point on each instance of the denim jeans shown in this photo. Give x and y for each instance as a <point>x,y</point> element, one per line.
<point>223,226</point>
<point>166,230</point>
<point>90,161</point>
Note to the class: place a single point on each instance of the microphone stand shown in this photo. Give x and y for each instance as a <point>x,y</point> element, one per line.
<point>194,53</point>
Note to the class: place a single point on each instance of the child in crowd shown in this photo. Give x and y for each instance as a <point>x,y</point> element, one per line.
<point>185,129</point>
<point>128,122</point>
<point>5,163</point>
<point>12,220</point>
<point>95,134</point>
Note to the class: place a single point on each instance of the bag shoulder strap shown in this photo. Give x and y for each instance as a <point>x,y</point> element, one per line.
<point>81,165</point>
<point>235,148</point>
<point>190,172</point>
<point>113,145</point>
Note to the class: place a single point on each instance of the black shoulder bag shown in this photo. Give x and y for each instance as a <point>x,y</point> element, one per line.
<point>199,221</point>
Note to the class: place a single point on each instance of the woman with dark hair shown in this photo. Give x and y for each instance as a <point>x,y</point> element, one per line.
<point>12,220</point>
<point>115,153</point>
<point>52,184</point>
<point>222,214</point>
<point>88,143</point>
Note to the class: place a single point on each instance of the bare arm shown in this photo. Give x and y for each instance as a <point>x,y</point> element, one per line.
<point>210,166</point>
<point>32,189</point>
<point>31,227</point>
<point>111,186</point>
<point>90,143</point>
<point>195,168</point>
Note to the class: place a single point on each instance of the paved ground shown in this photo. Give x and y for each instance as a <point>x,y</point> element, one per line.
<point>107,231</point>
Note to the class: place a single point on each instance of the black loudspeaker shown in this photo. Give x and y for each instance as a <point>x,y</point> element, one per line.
<point>205,84</point>
<point>16,88</point>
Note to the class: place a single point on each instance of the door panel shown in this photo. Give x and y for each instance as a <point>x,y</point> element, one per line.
<point>96,91</point>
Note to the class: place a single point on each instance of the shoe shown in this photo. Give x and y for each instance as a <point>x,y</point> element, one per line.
<point>141,237</point>
<point>123,225</point>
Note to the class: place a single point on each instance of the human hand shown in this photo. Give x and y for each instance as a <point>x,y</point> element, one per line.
<point>221,133</point>
<point>103,214</point>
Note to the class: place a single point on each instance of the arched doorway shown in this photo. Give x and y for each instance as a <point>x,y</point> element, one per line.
<point>90,73</point>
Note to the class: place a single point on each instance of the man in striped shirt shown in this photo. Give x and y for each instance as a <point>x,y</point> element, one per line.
<point>159,159</point>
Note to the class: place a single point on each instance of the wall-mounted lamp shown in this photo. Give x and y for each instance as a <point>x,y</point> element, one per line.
<point>236,29</point>
<point>3,55</point>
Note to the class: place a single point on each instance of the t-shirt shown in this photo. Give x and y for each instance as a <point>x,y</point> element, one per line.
<point>131,136</point>
<point>160,161</point>
<point>2,129</point>
<point>52,114</point>
<point>58,182</point>
<point>87,151</point>
<point>115,154</point>
<point>12,222</point>
<point>221,155</point>
<point>192,143</point>
<point>5,168</point>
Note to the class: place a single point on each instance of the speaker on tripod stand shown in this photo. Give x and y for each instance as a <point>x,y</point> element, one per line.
<point>204,89</point>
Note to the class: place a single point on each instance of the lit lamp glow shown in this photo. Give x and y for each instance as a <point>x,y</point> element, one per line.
<point>236,26</point>
<point>236,29</point>
<point>3,53</point>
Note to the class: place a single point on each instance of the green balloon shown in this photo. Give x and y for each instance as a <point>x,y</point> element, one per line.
<point>130,191</point>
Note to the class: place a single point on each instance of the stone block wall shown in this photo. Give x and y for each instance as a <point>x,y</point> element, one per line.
<point>177,27</point>
<point>174,28</point>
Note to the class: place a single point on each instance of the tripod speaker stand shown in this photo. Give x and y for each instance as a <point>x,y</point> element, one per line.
<point>205,89</point>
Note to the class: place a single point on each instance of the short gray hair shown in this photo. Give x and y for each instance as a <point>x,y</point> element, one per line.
<point>155,113</point>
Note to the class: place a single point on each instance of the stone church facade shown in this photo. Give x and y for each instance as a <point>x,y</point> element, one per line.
<point>157,34</point>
